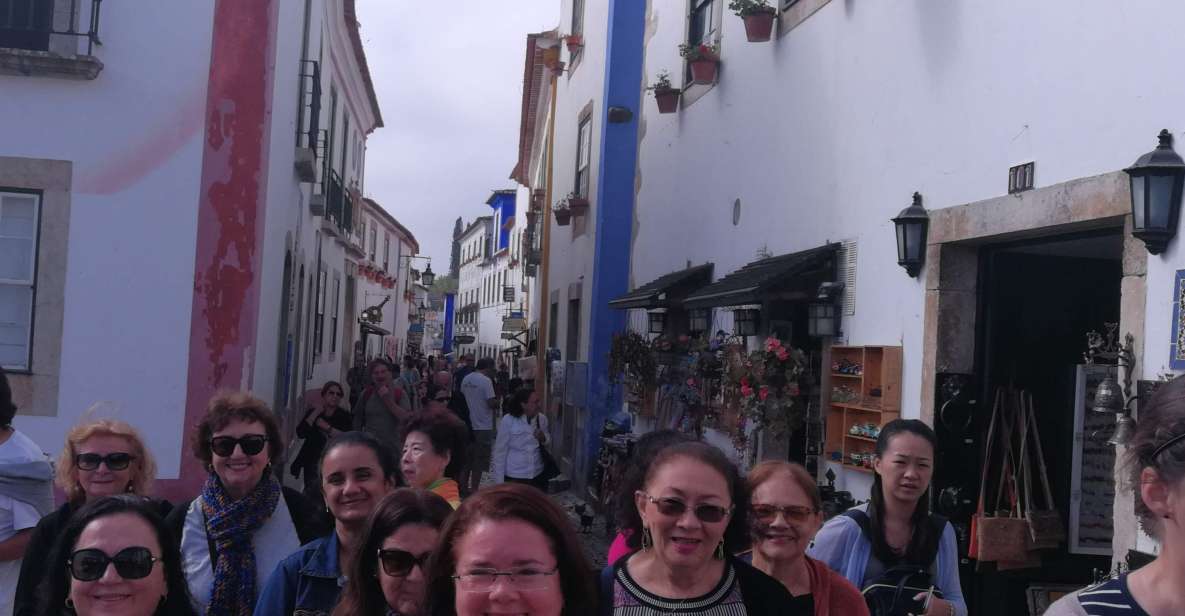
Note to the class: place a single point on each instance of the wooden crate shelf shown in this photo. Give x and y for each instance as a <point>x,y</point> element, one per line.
<point>876,399</point>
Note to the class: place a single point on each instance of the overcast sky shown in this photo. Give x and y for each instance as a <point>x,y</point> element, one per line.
<point>449,79</point>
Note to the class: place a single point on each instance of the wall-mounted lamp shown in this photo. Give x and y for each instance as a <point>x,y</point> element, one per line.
<point>912,225</point>
<point>1156,179</point>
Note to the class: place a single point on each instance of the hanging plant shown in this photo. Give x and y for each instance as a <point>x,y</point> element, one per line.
<point>631,361</point>
<point>764,386</point>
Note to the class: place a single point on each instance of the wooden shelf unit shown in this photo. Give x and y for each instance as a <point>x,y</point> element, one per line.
<point>882,371</point>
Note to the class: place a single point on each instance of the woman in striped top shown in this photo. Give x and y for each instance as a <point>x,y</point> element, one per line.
<point>1156,465</point>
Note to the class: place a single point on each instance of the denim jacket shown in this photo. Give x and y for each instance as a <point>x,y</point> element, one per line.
<point>307,583</point>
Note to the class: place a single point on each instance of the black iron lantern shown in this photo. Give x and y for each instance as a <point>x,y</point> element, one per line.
<point>1156,179</point>
<point>912,224</point>
<point>745,321</point>
<point>428,277</point>
<point>822,320</point>
<point>658,320</point>
<point>700,319</point>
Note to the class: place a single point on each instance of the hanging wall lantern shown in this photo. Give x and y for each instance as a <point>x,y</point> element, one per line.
<point>658,320</point>
<point>700,319</point>
<point>745,320</point>
<point>912,224</point>
<point>1156,179</point>
<point>428,277</point>
<point>822,320</point>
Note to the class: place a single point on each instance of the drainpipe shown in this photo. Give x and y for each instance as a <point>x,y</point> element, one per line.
<point>545,242</point>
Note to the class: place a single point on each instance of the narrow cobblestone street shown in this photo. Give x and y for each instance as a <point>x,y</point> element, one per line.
<point>595,540</point>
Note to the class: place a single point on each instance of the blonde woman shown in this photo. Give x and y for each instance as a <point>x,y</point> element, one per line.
<point>100,458</point>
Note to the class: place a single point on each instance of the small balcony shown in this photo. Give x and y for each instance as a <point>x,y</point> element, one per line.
<point>310,143</point>
<point>50,38</point>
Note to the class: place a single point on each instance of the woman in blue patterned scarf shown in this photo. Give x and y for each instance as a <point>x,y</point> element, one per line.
<point>244,523</point>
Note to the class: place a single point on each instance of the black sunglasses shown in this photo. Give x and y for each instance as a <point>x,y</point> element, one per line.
<point>130,563</point>
<point>673,507</point>
<point>225,445</point>
<point>398,563</point>
<point>114,461</point>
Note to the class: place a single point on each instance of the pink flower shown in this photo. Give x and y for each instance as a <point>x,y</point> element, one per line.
<point>783,355</point>
<point>746,391</point>
<point>763,393</point>
<point>744,381</point>
<point>772,343</point>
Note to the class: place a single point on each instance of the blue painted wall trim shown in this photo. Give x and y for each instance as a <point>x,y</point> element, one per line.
<point>503,203</point>
<point>613,210</point>
<point>449,307</point>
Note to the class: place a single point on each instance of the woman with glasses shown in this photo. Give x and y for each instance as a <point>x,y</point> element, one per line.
<point>786,512</point>
<point>318,426</point>
<point>895,529</point>
<point>243,524</point>
<point>389,566</point>
<point>433,452</point>
<point>100,458</point>
<point>356,473</point>
<point>509,550</point>
<point>645,448</point>
<point>692,519</point>
<point>115,556</point>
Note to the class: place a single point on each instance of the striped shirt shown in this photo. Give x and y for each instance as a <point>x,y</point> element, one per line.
<point>1110,598</point>
<point>630,599</point>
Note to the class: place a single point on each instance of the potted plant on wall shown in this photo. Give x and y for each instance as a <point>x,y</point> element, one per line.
<point>574,42</point>
<point>563,215</point>
<point>666,95</point>
<point>577,204</point>
<point>759,18</point>
<point>703,60</point>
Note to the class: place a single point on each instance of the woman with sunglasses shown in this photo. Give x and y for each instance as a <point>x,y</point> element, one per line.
<point>433,453</point>
<point>243,524</point>
<point>644,450</point>
<point>389,567</point>
<point>692,519</point>
<point>115,556</point>
<point>356,473</point>
<point>786,512</point>
<point>100,458</point>
<point>509,550</point>
<point>320,424</point>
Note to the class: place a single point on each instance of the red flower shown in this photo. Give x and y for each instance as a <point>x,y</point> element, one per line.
<point>763,393</point>
<point>782,354</point>
<point>746,391</point>
<point>744,381</point>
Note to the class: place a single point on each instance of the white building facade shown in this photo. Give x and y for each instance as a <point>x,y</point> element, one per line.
<point>472,285</point>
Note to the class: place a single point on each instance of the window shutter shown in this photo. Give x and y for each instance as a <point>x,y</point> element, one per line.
<point>847,260</point>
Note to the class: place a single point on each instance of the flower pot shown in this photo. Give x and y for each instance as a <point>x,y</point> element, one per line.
<point>578,205</point>
<point>703,71</point>
<point>563,216</point>
<point>759,26</point>
<point>574,42</point>
<point>667,99</point>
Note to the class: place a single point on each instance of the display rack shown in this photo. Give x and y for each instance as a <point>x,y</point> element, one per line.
<point>864,390</point>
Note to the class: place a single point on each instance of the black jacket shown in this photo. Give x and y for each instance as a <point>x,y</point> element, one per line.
<point>307,519</point>
<point>762,594</point>
<point>41,543</point>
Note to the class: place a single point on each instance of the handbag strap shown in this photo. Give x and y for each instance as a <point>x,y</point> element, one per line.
<point>1040,456</point>
<point>987,452</point>
<point>1007,467</point>
<point>1026,503</point>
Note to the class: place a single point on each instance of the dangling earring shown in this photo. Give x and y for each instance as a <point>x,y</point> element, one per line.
<point>719,553</point>
<point>647,539</point>
<point>70,604</point>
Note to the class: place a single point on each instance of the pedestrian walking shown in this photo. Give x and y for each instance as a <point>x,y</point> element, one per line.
<point>692,514</point>
<point>523,435</point>
<point>115,556</point>
<point>389,569</point>
<point>25,495</point>
<point>244,523</point>
<point>895,529</point>
<point>320,423</point>
<point>510,549</point>
<point>786,512</point>
<point>482,401</point>
<point>357,472</point>
<point>383,407</point>
<point>100,458</point>
<point>644,450</point>
<point>434,453</point>
<point>409,380</point>
<point>1155,466</point>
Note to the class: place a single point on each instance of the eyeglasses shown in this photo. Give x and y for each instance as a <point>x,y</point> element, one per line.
<point>114,461</point>
<point>130,563</point>
<point>334,392</point>
<point>766,514</point>
<point>483,580</point>
<point>399,563</point>
<point>225,445</point>
<point>673,507</point>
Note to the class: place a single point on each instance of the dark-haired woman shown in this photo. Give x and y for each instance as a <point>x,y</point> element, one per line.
<point>510,550</point>
<point>1155,465</point>
<point>645,449</point>
<point>389,570</point>
<point>693,518</point>
<point>243,524</point>
<point>115,557</point>
<point>901,530</point>
<point>522,432</point>
<point>356,473</point>
<point>320,424</point>
<point>433,453</point>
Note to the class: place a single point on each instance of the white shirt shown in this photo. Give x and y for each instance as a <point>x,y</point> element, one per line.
<point>516,451</point>
<point>273,542</point>
<point>479,390</point>
<point>15,515</point>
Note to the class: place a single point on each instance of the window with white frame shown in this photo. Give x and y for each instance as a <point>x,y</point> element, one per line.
<point>19,218</point>
<point>386,252</point>
<point>337,295</point>
<point>319,320</point>
<point>703,21</point>
<point>583,155</point>
<point>374,241</point>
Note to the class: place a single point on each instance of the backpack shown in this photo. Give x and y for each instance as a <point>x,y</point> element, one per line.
<point>892,593</point>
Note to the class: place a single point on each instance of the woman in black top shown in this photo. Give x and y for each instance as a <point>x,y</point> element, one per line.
<point>318,426</point>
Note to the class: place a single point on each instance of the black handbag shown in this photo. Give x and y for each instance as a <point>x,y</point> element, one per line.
<point>893,592</point>
<point>551,470</point>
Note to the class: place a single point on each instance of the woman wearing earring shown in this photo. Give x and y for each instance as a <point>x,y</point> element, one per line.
<point>243,524</point>
<point>1155,462</point>
<point>692,518</point>
<point>100,458</point>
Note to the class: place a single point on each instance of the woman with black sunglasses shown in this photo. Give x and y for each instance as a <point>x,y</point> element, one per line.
<point>115,556</point>
<point>692,519</point>
<point>321,423</point>
<point>243,524</point>
<point>389,565</point>
<point>100,458</point>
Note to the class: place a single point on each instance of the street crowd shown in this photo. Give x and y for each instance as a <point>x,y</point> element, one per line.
<point>374,532</point>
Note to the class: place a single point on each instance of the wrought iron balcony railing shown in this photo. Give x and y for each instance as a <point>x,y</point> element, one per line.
<point>32,24</point>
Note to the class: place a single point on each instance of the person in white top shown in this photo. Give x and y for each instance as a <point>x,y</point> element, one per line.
<point>522,433</point>
<point>26,495</point>
<point>478,389</point>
